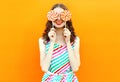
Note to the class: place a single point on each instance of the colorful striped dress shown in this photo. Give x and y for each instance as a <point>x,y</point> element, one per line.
<point>60,69</point>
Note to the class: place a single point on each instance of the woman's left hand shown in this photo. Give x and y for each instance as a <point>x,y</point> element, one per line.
<point>67,34</point>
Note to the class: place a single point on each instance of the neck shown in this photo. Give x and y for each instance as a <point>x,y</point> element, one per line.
<point>59,31</point>
<point>59,34</point>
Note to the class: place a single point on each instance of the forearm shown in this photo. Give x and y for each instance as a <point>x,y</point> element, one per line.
<point>48,57</point>
<point>72,57</point>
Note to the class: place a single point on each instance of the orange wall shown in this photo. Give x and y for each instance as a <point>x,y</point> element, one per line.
<point>22,22</point>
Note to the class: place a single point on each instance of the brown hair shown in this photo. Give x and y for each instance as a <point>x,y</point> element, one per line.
<point>68,25</point>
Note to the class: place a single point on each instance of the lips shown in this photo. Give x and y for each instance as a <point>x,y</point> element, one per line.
<point>58,22</point>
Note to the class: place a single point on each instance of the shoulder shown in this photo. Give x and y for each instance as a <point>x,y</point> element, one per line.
<point>77,44</point>
<point>41,43</point>
<point>77,39</point>
<point>41,40</point>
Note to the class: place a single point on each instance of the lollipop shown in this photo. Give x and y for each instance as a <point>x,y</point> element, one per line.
<point>66,15</point>
<point>52,15</point>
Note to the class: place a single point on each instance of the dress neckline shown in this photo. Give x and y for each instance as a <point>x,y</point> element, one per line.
<point>61,44</point>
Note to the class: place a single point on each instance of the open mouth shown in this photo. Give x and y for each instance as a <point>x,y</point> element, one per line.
<point>59,22</point>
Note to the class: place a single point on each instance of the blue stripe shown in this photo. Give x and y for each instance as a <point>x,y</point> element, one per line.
<point>58,58</point>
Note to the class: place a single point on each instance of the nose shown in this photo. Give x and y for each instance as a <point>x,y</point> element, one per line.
<point>59,17</point>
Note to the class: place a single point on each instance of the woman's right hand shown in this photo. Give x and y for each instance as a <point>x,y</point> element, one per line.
<point>52,34</point>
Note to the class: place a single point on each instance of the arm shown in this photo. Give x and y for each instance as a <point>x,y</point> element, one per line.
<point>74,55</point>
<point>45,59</point>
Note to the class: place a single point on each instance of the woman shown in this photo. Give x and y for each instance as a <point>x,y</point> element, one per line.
<point>59,47</point>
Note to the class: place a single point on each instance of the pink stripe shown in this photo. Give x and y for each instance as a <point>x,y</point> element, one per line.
<point>63,68</point>
<point>60,68</point>
<point>74,79</point>
<point>59,53</point>
<point>63,79</point>
<point>49,78</point>
<point>58,50</point>
<point>62,71</point>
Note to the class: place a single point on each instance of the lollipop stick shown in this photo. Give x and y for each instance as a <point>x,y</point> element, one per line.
<point>52,24</point>
<point>65,24</point>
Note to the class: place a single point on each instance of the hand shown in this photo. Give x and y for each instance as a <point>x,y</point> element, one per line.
<point>67,34</point>
<point>52,34</point>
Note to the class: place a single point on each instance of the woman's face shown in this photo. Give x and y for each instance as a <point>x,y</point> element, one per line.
<point>58,23</point>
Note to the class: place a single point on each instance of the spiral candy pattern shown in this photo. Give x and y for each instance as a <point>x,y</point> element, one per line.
<point>66,15</point>
<point>52,15</point>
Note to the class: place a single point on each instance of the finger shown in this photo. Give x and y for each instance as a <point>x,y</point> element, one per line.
<point>65,33</point>
<point>53,29</point>
<point>65,29</point>
<point>53,32</point>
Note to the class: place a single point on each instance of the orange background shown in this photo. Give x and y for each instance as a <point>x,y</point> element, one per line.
<point>96,22</point>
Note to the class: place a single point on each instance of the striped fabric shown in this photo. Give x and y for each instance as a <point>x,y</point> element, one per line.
<point>60,69</point>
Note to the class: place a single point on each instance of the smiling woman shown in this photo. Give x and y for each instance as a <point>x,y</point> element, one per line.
<point>59,47</point>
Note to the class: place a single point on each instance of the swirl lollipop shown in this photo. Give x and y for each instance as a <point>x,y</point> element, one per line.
<point>52,15</point>
<point>66,15</point>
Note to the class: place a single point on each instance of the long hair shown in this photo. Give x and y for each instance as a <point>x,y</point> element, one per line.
<point>49,26</point>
